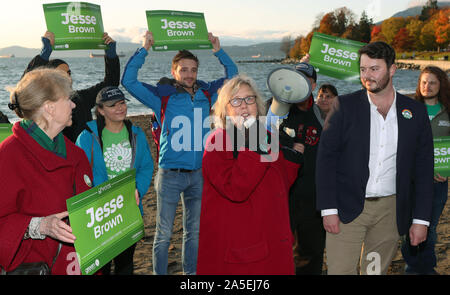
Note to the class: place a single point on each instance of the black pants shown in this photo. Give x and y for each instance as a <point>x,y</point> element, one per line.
<point>123,263</point>
<point>310,245</point>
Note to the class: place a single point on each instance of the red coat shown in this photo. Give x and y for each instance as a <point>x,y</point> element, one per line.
<point>244,223</point>
<point>36,183</point>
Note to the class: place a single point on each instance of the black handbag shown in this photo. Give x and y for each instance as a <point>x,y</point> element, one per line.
<point>33,268</point>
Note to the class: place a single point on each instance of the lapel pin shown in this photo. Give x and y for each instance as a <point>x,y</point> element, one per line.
<point>407,114</point>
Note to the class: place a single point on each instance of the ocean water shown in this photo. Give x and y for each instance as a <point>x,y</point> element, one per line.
<point>89,71</point>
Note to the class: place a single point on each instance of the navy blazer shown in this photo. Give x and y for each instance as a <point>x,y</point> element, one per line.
<point>342,170</point>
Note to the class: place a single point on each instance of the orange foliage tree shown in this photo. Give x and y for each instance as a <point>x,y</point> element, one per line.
<point>442,25</point>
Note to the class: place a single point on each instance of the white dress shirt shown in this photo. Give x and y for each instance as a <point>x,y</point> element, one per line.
<point>383,155</point>
<point>383,151</point>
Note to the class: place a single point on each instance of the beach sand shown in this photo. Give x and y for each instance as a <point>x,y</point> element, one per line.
<point>143,254</point>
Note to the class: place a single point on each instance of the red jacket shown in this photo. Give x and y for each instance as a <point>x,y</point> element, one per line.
<point>36,183</point>
<point>244,223</point>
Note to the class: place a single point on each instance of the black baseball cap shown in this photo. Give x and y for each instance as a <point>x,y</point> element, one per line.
<point>109,96</point>
<point>307,69</point>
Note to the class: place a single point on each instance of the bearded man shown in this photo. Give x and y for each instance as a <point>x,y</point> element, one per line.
<point>374,170</point>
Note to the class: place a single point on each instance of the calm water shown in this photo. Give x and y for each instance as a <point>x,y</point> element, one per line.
<point>89,71</point>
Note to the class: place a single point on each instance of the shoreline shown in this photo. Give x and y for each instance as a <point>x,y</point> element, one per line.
<point>420,64</point>
<point>403,64</point>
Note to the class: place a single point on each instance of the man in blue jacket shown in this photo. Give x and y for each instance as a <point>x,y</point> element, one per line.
<point>182,107</point>
<point>374,170</point>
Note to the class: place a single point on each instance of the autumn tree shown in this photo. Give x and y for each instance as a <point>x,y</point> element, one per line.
<point>352,32</point>
<point>402,40</point>
<point>306,43</point>
<point>428,10</point>
<point>414,28</point>
<point>328,24</point>
<point>391,26</point>
<point>295,50</point>
<point>427,36</point>
<point>376,35</point>
<point>344,18</point>
<point>442,32</point>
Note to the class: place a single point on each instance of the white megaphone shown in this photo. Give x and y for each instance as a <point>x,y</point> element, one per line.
<point>288,86</point>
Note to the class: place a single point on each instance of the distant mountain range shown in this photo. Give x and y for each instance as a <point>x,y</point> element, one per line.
<point>416,10</point>
<point>269,50</point>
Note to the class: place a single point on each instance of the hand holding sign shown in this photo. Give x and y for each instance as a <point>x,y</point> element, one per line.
<point>440,178</point>
<point>54,227</point>
<point>148,40</point>
<point>136,195</point>
<point>214,41</point>
<point>51,37</point>
<point>107,39</point>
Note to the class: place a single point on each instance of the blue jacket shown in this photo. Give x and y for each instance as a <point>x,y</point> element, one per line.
<point>186,122</point>
<point>141,157</point>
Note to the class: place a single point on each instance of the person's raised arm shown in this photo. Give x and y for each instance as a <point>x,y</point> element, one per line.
<point>111,78</point>
<point>148,40</point>
<point>143,92</point>
<point>48,41</point>
<point>230,67</point>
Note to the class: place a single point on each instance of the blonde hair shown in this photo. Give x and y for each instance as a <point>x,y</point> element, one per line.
<point>35,88</point>
<point>228,90</point>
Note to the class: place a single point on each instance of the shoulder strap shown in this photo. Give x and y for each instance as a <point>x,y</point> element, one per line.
<point>92,148</point>
<point>164,101</point>
<point>56,256</point>
<point>208,96</point>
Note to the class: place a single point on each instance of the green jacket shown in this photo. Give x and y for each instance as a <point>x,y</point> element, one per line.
<point>440,125</point>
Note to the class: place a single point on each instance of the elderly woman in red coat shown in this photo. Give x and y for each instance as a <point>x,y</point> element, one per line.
<point>39,170</point>
<point>244,223</point>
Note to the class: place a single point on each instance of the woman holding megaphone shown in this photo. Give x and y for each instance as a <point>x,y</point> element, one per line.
<point>244,223</point>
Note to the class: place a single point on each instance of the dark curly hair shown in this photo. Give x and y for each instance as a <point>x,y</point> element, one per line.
<point>444,89</point>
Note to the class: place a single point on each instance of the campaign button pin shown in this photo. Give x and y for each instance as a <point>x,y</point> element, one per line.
<point>87,180</point>
<point>407,114</point>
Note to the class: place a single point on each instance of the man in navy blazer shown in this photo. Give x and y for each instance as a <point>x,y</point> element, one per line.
<point>374,170</point>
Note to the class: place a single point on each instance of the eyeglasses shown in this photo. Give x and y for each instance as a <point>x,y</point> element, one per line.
<point>237,101</point>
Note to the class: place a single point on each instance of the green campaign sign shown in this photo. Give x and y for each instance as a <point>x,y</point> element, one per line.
<point>106,221</point>
<point>176,30</point>
<point>5,131</point>
<point>442,155</point>
<point>335,57</point>
<point>76,25</point>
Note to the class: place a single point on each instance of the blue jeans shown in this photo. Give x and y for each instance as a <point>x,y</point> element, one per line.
<point>421,259</point>
<point>169,186</point>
